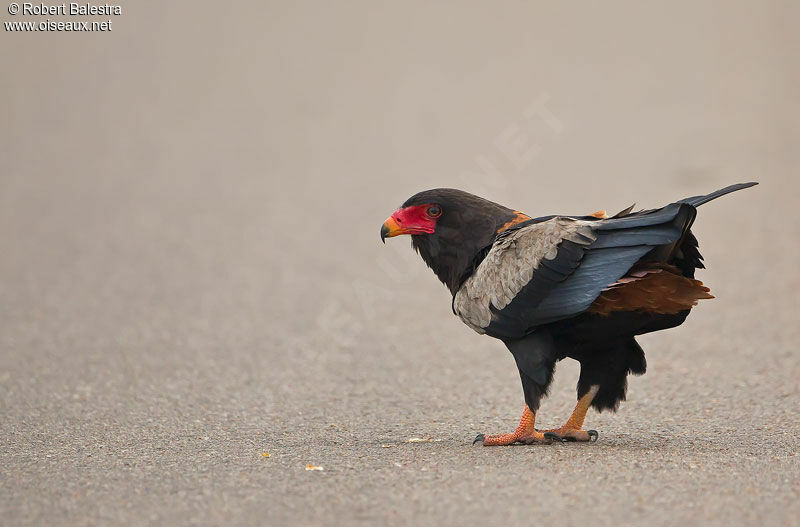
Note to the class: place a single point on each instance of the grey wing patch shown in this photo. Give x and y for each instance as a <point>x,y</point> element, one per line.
<point>510,265</point>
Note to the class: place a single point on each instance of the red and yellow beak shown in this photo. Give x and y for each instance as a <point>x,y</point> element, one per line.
<point>391,228</point>
<point>410,220</point>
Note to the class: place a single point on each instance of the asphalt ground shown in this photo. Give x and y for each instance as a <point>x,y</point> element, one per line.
<point>195,306</point>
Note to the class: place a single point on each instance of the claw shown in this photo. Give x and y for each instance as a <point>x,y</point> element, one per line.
<point>482,438</point>
<point>593,435</point>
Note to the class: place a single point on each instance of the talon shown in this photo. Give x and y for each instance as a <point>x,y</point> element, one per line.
<point>482,438</point>
<point>593,435</point>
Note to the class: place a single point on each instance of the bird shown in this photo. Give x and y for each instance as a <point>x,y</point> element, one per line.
<point>561,286</point>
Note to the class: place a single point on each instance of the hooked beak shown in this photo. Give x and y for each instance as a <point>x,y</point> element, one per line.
<point>391,229</point>
<point>410,220</point>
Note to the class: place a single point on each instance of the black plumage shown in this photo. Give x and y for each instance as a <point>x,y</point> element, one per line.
<point>595,283</point>
<point>468,226</point>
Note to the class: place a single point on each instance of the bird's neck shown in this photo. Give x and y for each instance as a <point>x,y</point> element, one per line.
<point>454,254</point>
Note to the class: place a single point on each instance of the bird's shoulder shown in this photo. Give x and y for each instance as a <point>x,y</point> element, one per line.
<point>511,261</point>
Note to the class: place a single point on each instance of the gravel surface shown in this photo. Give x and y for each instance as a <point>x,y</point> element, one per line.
<point>195,306</point>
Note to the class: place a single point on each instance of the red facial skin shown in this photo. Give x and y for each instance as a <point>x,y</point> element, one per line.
<point>414,220</point>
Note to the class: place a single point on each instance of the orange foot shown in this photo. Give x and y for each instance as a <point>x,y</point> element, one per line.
<point>573,434</point>
<point>571,431</point>
<point>525,433</point>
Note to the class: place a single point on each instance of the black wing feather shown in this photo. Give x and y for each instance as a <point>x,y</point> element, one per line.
<point>567,284</point>
<point>696,201</point>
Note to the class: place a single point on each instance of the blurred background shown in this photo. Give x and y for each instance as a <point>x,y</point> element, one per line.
<point>191,273</point>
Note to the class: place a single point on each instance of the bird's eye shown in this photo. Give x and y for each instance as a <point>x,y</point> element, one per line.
<point>434,211</point>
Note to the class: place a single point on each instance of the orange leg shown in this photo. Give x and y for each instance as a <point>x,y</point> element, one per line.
<point>525,433</point>
<point>571,431</point>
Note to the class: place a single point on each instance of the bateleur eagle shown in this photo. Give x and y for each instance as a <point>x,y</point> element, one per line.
<point>560,286</point>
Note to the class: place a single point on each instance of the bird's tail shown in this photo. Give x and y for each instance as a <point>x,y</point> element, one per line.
<point>696,201</point>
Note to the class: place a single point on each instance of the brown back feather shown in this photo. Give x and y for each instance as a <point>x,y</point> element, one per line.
<point>653,287</point>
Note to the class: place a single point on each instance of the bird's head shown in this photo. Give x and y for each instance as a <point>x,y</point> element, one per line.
<point>448,228</point>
